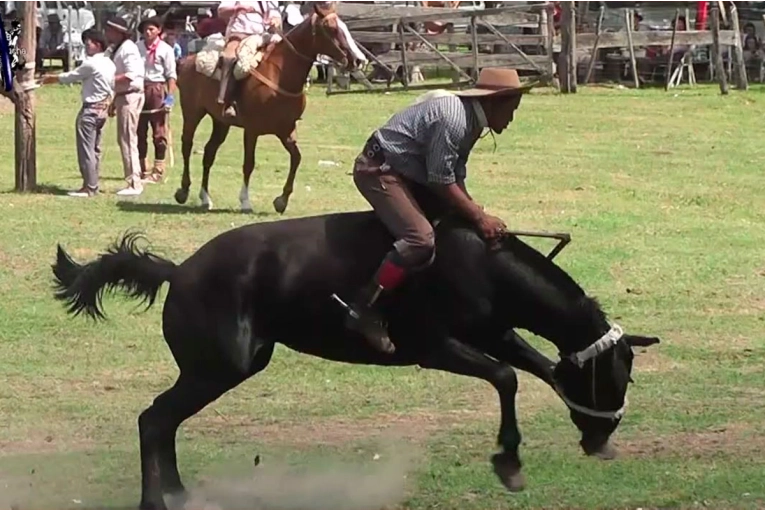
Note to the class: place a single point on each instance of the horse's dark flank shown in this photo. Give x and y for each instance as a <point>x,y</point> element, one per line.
<point>248,288</point>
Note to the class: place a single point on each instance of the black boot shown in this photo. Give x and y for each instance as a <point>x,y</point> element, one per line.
<point>364,317</point>
<point>226,84</point>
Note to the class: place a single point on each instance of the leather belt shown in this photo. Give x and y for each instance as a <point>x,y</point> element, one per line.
<point>373,151</point>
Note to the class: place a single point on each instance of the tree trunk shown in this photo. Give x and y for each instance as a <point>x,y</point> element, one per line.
<point>24,100</point>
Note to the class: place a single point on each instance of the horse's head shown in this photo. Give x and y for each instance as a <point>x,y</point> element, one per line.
<point>594,374</point>
<point>596,357</point>
<point>332,38</point>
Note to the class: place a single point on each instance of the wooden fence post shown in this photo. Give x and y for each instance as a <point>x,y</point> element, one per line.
<point>567,59</point>
<point>23,99</point>
<point>741,79</point>
<point>717,50</point>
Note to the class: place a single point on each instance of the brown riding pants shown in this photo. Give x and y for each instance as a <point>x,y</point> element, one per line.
<point>154,93</point>
<point>392,200</point>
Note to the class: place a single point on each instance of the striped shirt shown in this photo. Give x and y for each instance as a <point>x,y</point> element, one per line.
<point>430,142</point>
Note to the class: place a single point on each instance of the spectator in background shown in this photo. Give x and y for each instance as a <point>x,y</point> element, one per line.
<point>208,23</point>
<point>749,31</point>
<point>96,74</point>
<point>51,43</point>
<point>750,48</point>
<point>159,87</point>
<point>128,100</point>
<point>170,36</point>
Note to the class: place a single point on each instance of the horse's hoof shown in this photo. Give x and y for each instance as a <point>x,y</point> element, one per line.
<point>507,467</point>
<point>598,448</point>
<point>181,195</point>
<point>280,204</point>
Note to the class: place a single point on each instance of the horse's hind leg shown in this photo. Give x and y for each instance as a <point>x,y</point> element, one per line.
<point>250,144</point>
<point>158,425</point>
<point>190,123</point>
<point>290,144</point>
<point>217,137</point>
<point>458,358</point>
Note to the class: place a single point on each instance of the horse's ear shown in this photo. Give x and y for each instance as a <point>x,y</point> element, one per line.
<point>641,341</point>
<point>324,8</point>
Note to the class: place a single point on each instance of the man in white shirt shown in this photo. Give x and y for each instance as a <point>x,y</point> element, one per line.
<point>128,100</point>
<point>96,74</point>
<point>245,19</point>
<point>159,87</point>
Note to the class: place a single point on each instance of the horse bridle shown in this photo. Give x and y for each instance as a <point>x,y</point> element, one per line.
<point>604,343</point>
<point>324,33</point>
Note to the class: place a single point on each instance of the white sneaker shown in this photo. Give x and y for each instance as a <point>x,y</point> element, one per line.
<point>83,193</point>
<point>130,191</point>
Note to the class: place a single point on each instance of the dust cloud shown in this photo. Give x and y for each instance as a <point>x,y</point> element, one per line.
<point>380,481</point>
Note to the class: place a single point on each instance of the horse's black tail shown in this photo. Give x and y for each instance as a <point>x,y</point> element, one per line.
<point>139,273</point>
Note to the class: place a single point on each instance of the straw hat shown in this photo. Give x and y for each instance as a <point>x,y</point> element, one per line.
<point>496,81</point>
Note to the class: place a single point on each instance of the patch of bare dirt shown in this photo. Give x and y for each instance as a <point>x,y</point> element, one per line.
<point>377,482</point>
<point>413,426</point>
<point>651,360</point>
<point>6,106</point>
<point>416,425</point>
<point>733,440</point>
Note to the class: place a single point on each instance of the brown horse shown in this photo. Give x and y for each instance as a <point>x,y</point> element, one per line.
<point>269,101</point>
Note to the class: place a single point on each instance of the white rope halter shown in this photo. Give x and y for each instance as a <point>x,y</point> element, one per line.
<point>604,343</point>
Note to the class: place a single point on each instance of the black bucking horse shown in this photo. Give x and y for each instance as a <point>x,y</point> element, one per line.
<point>253,286</point>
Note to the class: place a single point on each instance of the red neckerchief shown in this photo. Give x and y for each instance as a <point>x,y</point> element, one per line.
<point>151,51</point>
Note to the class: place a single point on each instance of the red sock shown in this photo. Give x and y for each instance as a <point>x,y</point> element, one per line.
<point>390,275</point>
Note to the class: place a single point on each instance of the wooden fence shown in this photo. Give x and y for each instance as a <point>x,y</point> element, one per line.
<point>402,42</point>
<point>583,47</point>
<point>400,47</point>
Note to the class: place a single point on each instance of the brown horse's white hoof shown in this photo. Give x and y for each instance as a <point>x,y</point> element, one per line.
<point>207,203</point>
<point>280,204</point>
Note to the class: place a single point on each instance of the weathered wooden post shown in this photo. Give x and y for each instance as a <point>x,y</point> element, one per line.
<point>23,99</point>
<point>594,54</point>
<point>717,50</point>
<point>628,22</point>
<point>741,80</point>
<point>567,59</point>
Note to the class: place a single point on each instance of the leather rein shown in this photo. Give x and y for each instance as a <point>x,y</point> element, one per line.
<point>275,86</point>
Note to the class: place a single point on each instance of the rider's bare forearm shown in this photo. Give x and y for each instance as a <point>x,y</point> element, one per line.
<point>457,197</point>
<point>462,186</point>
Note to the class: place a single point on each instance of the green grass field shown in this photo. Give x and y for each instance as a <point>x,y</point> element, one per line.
<point>662,193</point>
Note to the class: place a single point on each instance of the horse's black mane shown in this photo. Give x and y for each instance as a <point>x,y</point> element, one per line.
<point>587,306</point>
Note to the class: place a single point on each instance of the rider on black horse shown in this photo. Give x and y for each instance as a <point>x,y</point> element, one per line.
<point>426,144</point>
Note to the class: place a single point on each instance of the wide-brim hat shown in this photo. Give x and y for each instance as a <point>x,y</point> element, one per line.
<point>496,81</point>
<point>118,24</point>
<point>154,20</point>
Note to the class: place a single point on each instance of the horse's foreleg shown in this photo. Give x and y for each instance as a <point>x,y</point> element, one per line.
<point>190,124</point>
<point>217,137</point>
<point>250,143</point>
<point>458,358</point>
<point>290,144</point>
<point>515,350</point>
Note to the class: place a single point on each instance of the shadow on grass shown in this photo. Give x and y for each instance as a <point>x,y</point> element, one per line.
<point>137,207</point>
<point>41,189</point>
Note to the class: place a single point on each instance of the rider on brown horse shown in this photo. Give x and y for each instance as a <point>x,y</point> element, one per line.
<point>245,19</point>
<point>426,144</point>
